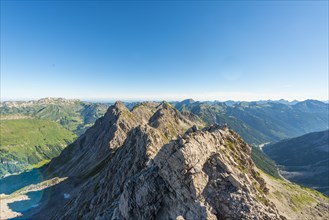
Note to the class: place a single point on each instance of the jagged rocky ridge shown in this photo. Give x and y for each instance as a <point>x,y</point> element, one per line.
<point>154,163</point>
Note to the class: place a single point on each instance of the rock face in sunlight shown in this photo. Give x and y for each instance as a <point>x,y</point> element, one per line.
<point>155,163</point>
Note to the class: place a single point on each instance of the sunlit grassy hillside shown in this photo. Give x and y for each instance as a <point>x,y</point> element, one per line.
<point>30,142</point>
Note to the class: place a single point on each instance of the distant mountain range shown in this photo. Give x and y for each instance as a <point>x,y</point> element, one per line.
<point>304,159</point>
<point>281,101</point>
<point>72,114</point>
<point>264,121</point>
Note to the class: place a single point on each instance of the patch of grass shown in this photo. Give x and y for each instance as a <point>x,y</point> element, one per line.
<point>262,199</point>
<point>230,145</point>
<point>301,199</point>
<point>39,164</point>
<point>315,192</point>
<point>278,195</point>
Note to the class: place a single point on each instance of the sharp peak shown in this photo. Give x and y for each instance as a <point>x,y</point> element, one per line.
<point>166,105</point>
<point>120,105</point>
<point>116,108</point>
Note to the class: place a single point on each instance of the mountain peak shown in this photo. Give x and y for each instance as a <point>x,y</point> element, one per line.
<point>166,105</point>
<point>188,101</point>
<point>206,173</point>
<point>119,105</point>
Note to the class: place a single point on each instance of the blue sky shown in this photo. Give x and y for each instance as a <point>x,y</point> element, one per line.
<point>247,50</point>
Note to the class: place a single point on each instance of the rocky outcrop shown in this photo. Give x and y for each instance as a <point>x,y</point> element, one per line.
<point>155,163</point>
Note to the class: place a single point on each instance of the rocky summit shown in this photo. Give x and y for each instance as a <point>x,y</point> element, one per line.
<point>153,162</point>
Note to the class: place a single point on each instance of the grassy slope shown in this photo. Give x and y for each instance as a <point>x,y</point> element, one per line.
<point>26,142</point>
<point>296,202</point>
<point>48,127</point>
<point>264,163</point>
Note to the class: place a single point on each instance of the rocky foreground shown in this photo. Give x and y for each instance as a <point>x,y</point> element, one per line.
<point>154,162</point>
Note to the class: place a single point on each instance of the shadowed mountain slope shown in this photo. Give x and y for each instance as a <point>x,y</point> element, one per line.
<point>304,159</point>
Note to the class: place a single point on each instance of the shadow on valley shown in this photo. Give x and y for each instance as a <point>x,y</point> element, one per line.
<point>24,205</point>
<point>38,200</point>
<point>13,183</point>
<point>26,184</point>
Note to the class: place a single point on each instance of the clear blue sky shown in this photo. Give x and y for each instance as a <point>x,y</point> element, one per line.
<point>246,50</point>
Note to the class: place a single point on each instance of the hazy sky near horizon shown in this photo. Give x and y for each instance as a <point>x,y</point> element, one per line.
<point>246,50</point>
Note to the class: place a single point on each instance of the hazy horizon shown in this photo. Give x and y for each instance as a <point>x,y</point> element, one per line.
<point>163,50</point>
<point>155,100</point>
